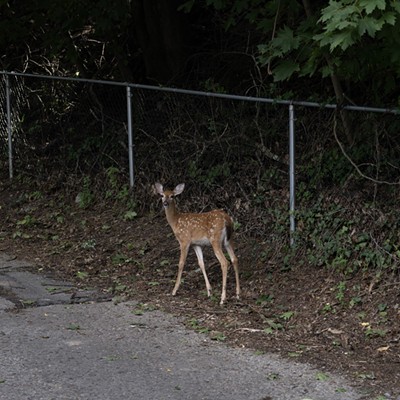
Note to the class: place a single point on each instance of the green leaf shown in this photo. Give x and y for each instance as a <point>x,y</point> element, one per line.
<point>390,18</point>
<point>369,25</point>
<point>381,4</point>
<point>285,40</point>
<point>345,24</point>
<point>326,71</point>
<point>342,40</point>
<point>285,69</point>
<point>130,215</point>
<point>320,376</point>
<point>369,5</point>
<point>287,315</point>
<point>73,327</point>
<point>329,12</point>
<point>82,275</point>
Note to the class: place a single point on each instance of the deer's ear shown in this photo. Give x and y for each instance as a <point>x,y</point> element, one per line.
<point>159,188</point>
<point>179,189</point>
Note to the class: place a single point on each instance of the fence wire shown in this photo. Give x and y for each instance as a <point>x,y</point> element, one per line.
<point>65,124</point>
<point>231,151</point>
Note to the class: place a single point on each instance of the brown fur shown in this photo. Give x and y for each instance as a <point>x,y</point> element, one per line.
<point>214,228</point>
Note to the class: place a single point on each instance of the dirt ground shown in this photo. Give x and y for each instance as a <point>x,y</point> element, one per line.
<point>339,324</point>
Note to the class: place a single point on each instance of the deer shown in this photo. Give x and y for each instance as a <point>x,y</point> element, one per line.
<point>213,228</point>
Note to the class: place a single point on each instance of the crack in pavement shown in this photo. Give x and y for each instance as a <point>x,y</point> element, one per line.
<point>22,288</point>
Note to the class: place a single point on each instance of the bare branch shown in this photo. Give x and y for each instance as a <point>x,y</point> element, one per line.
<point>353,163</point>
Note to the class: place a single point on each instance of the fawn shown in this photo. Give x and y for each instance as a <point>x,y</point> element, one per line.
<point>210,228</point>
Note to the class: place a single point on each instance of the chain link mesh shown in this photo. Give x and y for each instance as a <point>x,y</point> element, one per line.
<point>210,143</point>
<point>66,124</point>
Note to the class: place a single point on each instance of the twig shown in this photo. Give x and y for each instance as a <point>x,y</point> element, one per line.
<point>273,35</point>
<point>353,163</point>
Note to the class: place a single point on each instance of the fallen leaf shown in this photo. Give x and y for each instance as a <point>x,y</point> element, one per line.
<point>383,348</point>
<point>335,331</point>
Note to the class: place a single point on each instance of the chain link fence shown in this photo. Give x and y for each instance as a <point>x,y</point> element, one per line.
<point>65,124</point>
<point>233,151</point>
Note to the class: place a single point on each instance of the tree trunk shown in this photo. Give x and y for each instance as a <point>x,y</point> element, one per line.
<point>337,85</point>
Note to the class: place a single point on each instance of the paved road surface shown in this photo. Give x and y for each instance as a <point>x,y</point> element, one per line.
<point>99,350</point>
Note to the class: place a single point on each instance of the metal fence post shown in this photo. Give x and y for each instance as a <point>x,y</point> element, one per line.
<point>291,175</point>
<point>9,130</point>
<point>130,139</point>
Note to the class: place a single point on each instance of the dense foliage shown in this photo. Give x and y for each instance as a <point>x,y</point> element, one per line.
<point>232,154</point>
<point>325,49</point>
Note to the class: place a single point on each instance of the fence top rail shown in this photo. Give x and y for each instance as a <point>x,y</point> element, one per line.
<point>210,94</point>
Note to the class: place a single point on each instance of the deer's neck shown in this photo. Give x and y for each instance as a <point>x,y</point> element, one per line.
<point>172,215</point>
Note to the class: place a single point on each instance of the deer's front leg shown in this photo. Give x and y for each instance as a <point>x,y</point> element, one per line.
<point>182,259</point>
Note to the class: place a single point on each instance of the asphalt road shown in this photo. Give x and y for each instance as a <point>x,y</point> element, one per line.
<point>62,345</point>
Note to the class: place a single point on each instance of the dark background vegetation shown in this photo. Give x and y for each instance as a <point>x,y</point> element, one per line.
<point>71,152</point>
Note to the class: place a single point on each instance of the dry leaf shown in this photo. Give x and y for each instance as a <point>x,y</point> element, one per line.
<point>383,348</point>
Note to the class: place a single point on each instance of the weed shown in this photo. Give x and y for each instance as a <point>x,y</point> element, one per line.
<point>52,289</point>
<point>361,315</point>
<point>60,219</point>
<point>344,242</point>
<point>143,307</point>
<point>165,262</point>
<point>21,235</point>
<point>36,195</point>
<point>273,326</point>
<point>129,215</point>
<point>123,193</point>
<point>117,190</point>
<point>286,316</point>
<point>194,324</point>
<point>366,376</point>
<point>373,333</point>
<point>265,299</point>
<point>120,258</point>
<point>321,376</point>
<point>27,221</point>
<point>327,308</point>
<point>82,275</point>
<point>85,197</point>
<point>218,336</point>
<point>340,291</point>
<point>120,288</point>
<point>382,307</point>
<point>273,376</point>
<point>74,327</point>
<point>89,244</point>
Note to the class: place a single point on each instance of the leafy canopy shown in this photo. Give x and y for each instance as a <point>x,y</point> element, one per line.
<point>360,38</point>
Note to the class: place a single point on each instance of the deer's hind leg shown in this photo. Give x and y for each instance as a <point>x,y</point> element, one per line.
<point>224,268</point>
<point>234,260</point>
<point>199,254</point>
